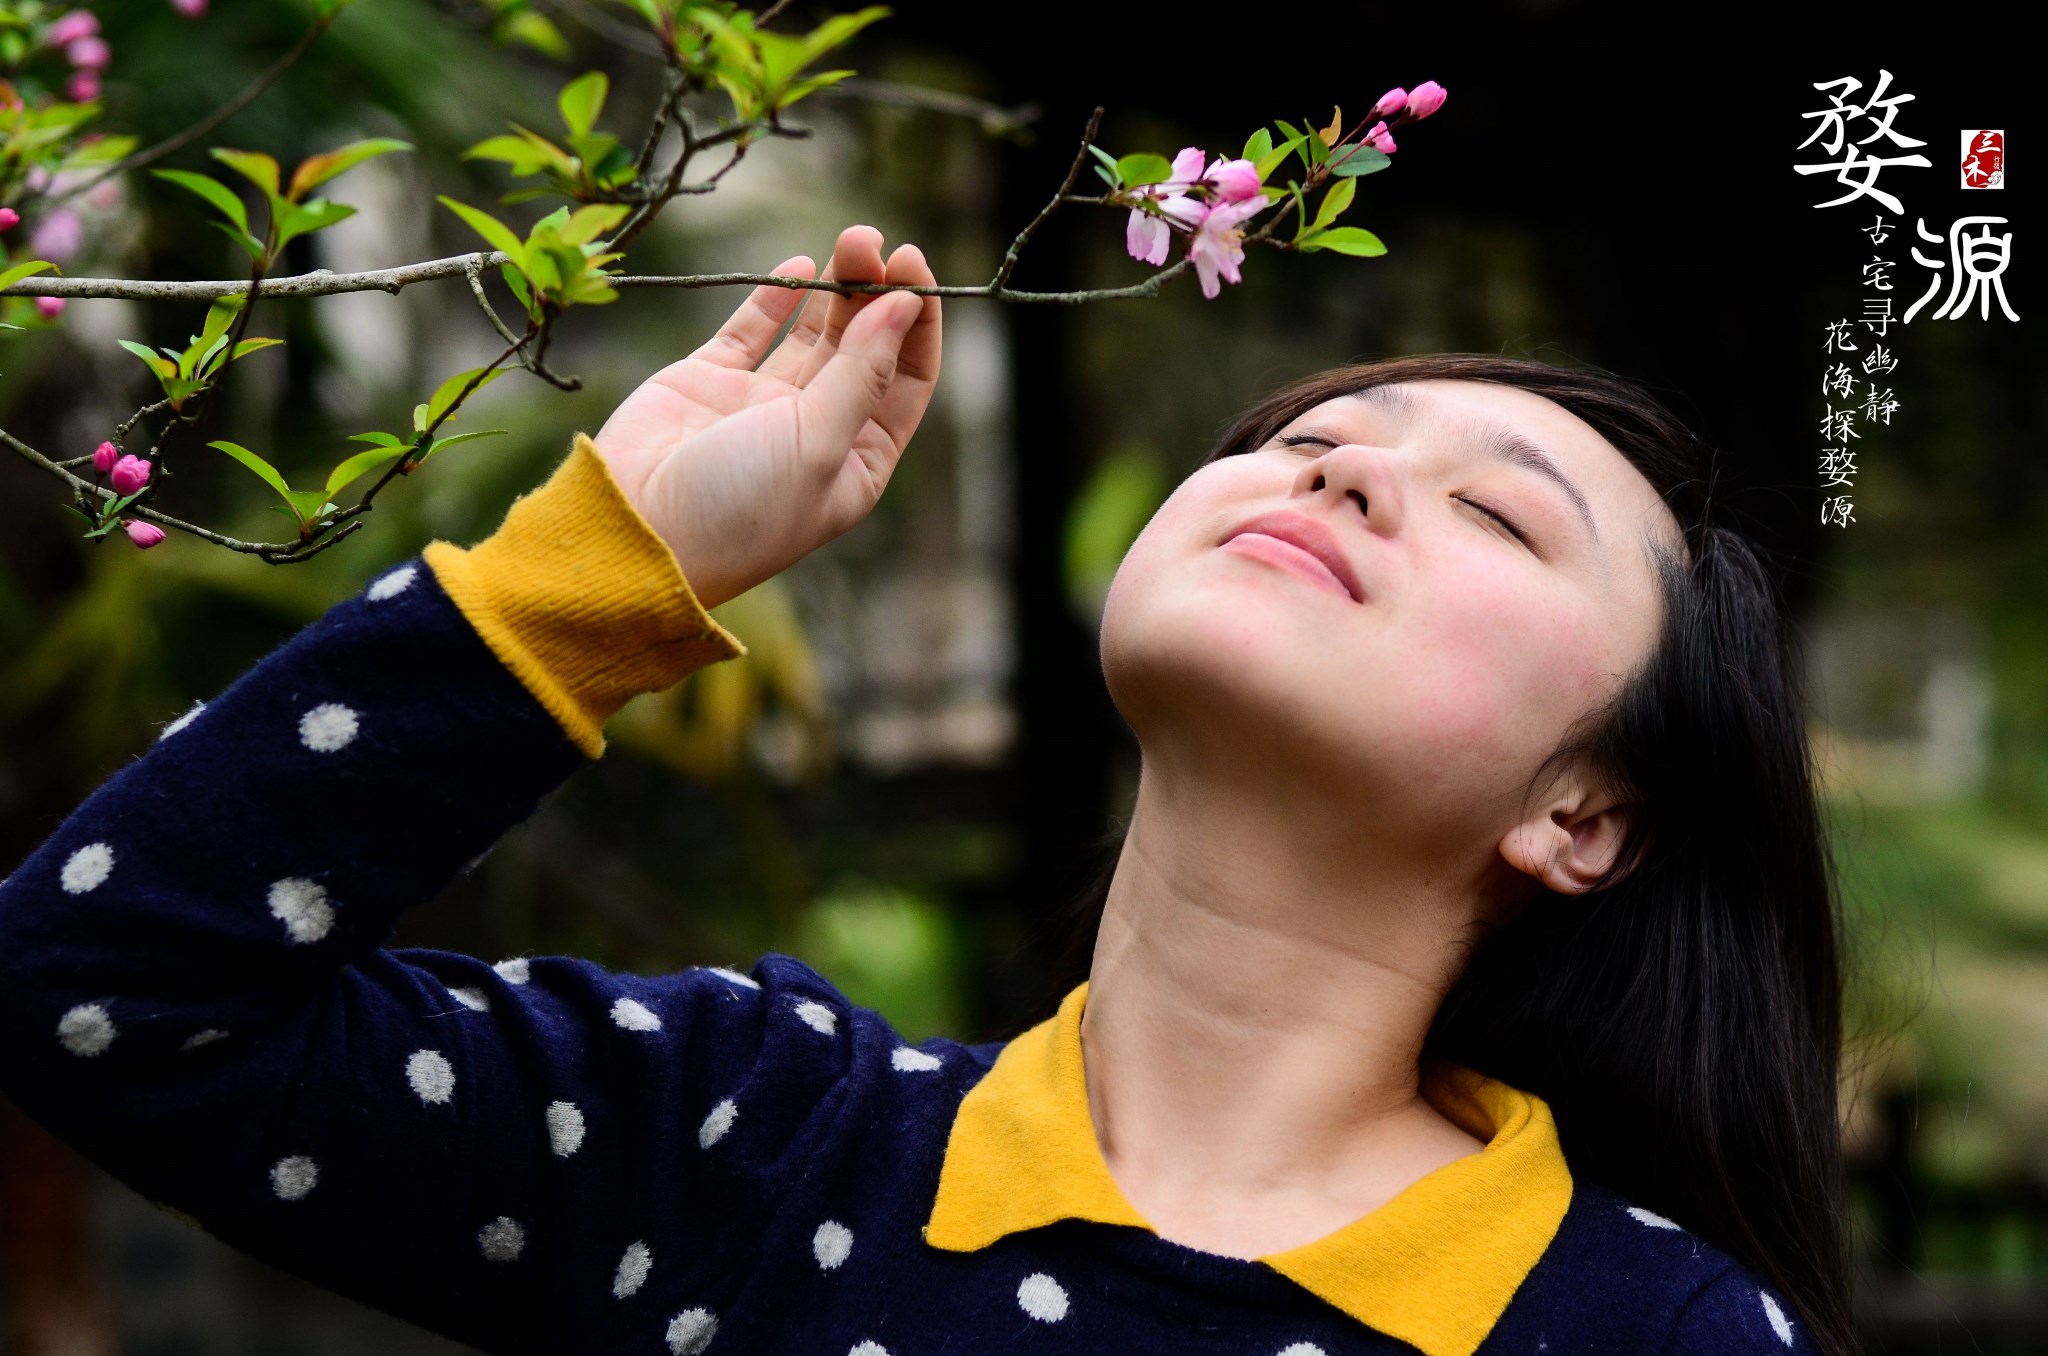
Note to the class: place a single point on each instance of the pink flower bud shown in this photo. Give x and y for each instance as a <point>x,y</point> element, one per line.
<point>104,456</point>
<point>1380,139</point>
<point>191,9</point>
<point>79,23</point>
<point>144,535</point>
<point>58,236</point>
<point>9,218</point>
<point>1392,102</point>
<point>1234,180</point>
<point>89,54</point>
<point>50,307</point>
<point>83,87</point>
<point>130,474</point>
<point>1426,99</point>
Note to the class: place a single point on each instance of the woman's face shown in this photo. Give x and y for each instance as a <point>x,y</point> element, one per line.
<point>1469,647</point>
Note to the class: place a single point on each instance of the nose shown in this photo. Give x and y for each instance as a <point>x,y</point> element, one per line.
<point>1360,474</point>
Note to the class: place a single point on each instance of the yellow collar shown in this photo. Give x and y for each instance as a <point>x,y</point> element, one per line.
<point>1434,1267</point>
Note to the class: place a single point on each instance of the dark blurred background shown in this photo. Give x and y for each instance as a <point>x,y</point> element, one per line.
<point>916,768</point>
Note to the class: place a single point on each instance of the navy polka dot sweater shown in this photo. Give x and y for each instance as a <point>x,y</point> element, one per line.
<point>545,1156</point>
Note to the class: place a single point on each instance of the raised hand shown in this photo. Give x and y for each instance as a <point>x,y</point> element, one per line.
<point>745,461</point>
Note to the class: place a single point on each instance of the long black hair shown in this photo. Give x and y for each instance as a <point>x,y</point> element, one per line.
<point>1683,1017</point>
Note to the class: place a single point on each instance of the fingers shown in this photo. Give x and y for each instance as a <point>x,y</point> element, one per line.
<point>917,360</point>
<point>857,257</point>
<point>849,389</point>
<point>742,342</point>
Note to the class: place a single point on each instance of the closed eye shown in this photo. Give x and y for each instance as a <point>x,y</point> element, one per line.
<point>1317,440</point>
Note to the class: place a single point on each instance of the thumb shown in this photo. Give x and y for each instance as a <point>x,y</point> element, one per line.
<point>845,393</point>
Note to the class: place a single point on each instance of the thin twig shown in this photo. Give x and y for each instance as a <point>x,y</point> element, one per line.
<point>994,118</point>
<point>172,144</point>
<point>1010,257</point>
<point>475,274</point>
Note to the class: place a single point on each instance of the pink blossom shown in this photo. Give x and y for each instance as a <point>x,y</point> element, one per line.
<point>58,236</point>
<point>89,54</point>
<point>49,307</point>
<point>1146,235</point>
<point>83,87</point>
<point>144,535</point>
<point>1234,180</point>
<point>1218,244</point>
<point>79,23</point>
<point>9,218</point>
<point>1381,139</point>
<point>1392,102</point>
<point>1426,99</point>
<point>104,456</point>
<point>191,9</point>
<point>130,474</point>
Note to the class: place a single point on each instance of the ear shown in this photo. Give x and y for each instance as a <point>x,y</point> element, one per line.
<point>1569,840</point>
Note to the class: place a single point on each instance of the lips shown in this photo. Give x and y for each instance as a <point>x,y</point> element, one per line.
<point>1310,535</point>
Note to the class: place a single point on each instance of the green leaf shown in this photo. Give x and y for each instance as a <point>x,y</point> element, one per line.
<point>445,395</point>
<point>1256,146</point>
<point>1350,240</point>
<point>1273,158</point>
<point>588,223</point>
<point>1107,169</point>
<point>310,505</point>
<point>380,439</point>
<point>535,30</point>
<point>1144,168</point>
<point>1334,202</point>
<point>453,439</point>
<point>159,367</point>
<point>251,246</point>
<point>1293,133</point>
<point>1357,158</point>
<point>581,100</point>
<point>361,464</point>
<point>257,167</point>
<point>214,191</point>
<point>25,269</point>
<point>248,346</point>
<point>256,464</point>
<point>315,215</point>
<point>495,232</point>
<point>810,84</point>
<point>316,170</point>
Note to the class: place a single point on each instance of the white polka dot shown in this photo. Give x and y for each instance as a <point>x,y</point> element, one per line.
<point>1042,1297</point>
<point>472,998</point>
<point>293,1177</point>
<point>206,1037</point>
<point>502,1239</point>
<point>513,971</point>
<point>717,1123</point>
<point>431,1075</point>
<point>690,1331</point>
<point>745,981</point>
<point>327,727</point>
<point>86,868</point>
<point>869,1349</point>
<point>1310,1349</point>
<point>831,1243</point>
<point>565,1127</point>
<point>302,906</point>
<point>632,1272</point>
<point>817,1017</point>
<point>914,1061</point>
<point>390,584</point>
<point>182,721</point>
<point>86,1030</point>
<point>634,1015</point>
<point>1651,1218</point>
<point>1780,1324</point>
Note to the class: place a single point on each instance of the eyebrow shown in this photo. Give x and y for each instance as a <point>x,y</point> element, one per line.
<point>1496,441</point>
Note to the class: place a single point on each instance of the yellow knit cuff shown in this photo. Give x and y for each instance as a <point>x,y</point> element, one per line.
<point>581,599</point>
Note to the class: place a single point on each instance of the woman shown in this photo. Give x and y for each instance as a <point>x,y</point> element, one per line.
<point>1472,792</point>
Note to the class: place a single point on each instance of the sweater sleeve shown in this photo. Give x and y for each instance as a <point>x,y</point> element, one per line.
<point>1735,1316</point>
<point>195,991</point>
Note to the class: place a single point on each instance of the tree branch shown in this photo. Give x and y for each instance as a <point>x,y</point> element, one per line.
<point>1016,250</point>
